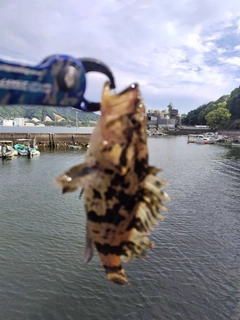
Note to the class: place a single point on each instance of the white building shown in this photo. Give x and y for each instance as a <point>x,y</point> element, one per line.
<point>18,122</point>
<point>7,122</point>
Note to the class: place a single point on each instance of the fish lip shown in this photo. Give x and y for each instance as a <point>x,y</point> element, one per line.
<point>133,86</point>
<point>127,99</point>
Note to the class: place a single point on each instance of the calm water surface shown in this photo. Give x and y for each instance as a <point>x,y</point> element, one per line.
<point>193,272</point>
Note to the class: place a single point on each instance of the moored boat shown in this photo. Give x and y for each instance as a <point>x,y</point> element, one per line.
<point>236,144</point>
<point>24,148</point>
<point>192,138</point>
<point>6,149</point>
<point>200,139</point>
<point>215,137</point>
<point>74,147</point>
<point>158,133</point>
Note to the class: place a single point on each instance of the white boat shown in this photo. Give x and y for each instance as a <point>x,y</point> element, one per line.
<point>74,147</point>
<point>6,149</point>
<point>215,136</point>
<point>236,144</point>
<point>23,147</point>
<point>192,138</point>
<point>211,134</point>
<point>200,139</point>
<point>158,133</point>
<point>149,133</point>
<point>155,133</point>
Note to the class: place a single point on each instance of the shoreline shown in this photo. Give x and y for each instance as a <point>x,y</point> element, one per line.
<point>64,139</point>
<point>50,140</point>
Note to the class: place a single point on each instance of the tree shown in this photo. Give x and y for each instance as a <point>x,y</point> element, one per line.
<point>233,104</point>
<point>192,116</point>
<point>223,98</point>
<point>218,118</point>
<point>183,118</point>
<point>170,107</point>
<point>210,107</point>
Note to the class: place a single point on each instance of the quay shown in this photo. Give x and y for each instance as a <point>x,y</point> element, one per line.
<point>58,140</point>
<point>49,140</point>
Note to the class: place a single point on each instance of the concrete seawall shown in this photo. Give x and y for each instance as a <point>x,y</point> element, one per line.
<point>56,140</point>
<point>50,140</point>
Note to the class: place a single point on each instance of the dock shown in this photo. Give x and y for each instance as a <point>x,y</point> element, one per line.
<point>73,140</point>
<point>50,140</point>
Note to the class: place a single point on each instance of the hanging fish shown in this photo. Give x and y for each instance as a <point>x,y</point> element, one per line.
<point>122,192</point>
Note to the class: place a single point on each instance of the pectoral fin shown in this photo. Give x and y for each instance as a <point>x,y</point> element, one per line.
<point>88,252</point>
<point>78,176</point>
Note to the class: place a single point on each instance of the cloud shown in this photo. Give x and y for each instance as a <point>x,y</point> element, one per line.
<point>237,48</point>
<point>186,53</point>
<point>235,61</point>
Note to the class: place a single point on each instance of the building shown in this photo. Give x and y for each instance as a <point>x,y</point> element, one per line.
<point>163,119</point>
<point>18,122</point>
<point>7,123</point>
<point>173,113</point>
<point>166,122</point>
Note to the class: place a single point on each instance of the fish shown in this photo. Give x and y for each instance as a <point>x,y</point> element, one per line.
<point>123,194</point>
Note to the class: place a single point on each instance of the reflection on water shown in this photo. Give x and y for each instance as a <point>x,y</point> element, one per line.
<point>192,273</point>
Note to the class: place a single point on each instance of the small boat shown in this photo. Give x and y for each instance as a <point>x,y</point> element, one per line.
<point>215,136</point>
<point>74,147</point>
<point>211,134</point>
<point>24,148</point>
<point>158,133</point>
<point>192,138</point>
<point>200,139</point>
<point>155,133</point>
<point>6,149</point>
<point>149,133</point>
<point>236,144</point>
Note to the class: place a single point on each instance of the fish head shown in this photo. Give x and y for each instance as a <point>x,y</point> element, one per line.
<point>125,109</point>
<point>122,126</point>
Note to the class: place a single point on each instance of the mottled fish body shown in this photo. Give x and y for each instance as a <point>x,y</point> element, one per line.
<point>122,192</point>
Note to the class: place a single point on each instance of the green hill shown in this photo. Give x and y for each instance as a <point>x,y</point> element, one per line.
<point>230,102</point>
<point>49,115</point>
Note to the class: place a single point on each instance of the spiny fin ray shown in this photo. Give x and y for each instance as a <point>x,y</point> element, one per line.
<point>146,216</point>
<point>78,176</point>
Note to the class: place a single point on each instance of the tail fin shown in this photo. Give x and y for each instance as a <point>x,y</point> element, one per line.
<point>116,275</point>
<point>113,268</point>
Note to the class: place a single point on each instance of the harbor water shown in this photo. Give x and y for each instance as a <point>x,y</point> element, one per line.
<point>192,273</point>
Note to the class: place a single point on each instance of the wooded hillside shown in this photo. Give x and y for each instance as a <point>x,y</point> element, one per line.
<point>229,102</point>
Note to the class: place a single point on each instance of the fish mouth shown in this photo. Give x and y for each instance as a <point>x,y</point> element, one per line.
<point>133,86</point>
<point>125,102</point>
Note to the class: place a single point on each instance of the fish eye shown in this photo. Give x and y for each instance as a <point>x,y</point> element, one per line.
<point>133,120</point>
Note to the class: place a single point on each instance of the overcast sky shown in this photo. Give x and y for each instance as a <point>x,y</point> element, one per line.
<point>186,52</point>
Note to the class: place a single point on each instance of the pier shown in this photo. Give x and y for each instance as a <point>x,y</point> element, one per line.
<point>50,140</point>
<point>58,140</point>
